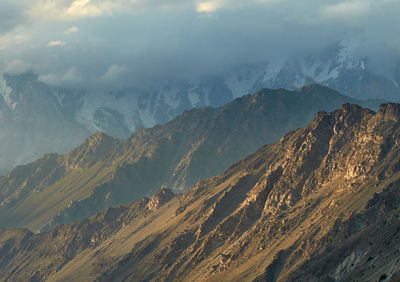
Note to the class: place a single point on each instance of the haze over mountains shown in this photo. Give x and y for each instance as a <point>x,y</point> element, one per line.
<point>36,119</point>
<point>199,140</point>
<point>198,144</point>
<point>320,204</point>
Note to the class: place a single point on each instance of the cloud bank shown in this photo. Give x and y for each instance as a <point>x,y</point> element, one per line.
<point>105,43</point>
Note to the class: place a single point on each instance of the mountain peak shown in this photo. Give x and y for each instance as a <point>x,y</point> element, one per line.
<point>352,113</point>
<point>350,109</point>
<point>390,111</point>
<point>96,147</point>
<point>163,196</point>
<point>98,137</point>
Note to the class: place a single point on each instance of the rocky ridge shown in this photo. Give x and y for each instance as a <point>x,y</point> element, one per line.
<point>198,144</point>
<point>322,204</point>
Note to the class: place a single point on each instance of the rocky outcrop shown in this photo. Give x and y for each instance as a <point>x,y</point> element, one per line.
<point>160,198</point>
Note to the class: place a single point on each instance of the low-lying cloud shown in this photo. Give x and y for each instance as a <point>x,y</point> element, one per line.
<point>125,43</point>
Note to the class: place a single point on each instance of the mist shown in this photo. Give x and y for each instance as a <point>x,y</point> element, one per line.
<point>102,44</point>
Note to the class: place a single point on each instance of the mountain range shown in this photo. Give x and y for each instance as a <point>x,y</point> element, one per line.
<point>321,204</point>
<point>36,118</point>
<point>198,144</point>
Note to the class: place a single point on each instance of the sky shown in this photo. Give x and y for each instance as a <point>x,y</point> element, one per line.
<point>122,43</point>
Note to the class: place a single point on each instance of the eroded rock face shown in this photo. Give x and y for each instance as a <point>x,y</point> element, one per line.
<point>323,203</point>
<point>163,196</point>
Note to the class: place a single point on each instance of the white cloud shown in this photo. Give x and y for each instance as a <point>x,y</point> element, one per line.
<point>71,30</point>
<point>71,76</point>
<point>11,39</point>
<point>84,8</point>
<point>17,67</point>
<point>209,6</point>
<point>350,9</point>
<point>54,43</point>
<point>70,10</point>
<point>114,72</point>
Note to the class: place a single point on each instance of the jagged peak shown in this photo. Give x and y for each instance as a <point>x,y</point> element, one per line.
<point>390,111</point>
<point>345,112</point>
<point>95,147</point>
<point>99,134</point>
<point>99,137</point>
<point>162,196</point>
<point>350,108</point>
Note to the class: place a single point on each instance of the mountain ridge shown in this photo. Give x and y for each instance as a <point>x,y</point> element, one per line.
<point>309,207</point>
<point>197,144</point>
<point>73,114</point>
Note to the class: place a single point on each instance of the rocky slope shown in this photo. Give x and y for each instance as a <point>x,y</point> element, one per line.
<point>198,144</point>
<point>322,204</point>
<point>37,119</point>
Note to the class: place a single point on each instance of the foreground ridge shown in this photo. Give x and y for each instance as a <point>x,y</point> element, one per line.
<point>320,204</point>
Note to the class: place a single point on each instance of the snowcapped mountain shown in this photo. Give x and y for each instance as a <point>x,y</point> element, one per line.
<point>337,68</point>
<point>119,113</point>
<point>36,119</point>
<point>31,122</point>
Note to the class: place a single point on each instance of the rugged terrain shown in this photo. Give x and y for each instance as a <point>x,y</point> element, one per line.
<point>322,204</point>
<point>36,118</point>
<point>198,144</point>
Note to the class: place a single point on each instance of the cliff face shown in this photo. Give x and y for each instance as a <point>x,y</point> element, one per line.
<point>320,204</point>
<point>198,144</point>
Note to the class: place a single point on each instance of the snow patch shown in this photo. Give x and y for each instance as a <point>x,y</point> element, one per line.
<point>6,91</point>
<point>193,96</point>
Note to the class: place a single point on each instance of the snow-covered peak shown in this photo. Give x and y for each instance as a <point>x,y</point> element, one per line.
<point>5,92</point>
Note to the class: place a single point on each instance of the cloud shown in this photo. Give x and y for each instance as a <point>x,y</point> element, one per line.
<point>208,6</point>
<point>211,6</point>
<point>11,15</point>
<point>70,10</point>
<point>67,10</point>
<point>54,43</point>
<point>8,41</point>
<point>350,10</point>
<point>114,72</point>
<point>134,42</point>
<point>17,67</point>
<point>71,30</point>
<point>71,76</point>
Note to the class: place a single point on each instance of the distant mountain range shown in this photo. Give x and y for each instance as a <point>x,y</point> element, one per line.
<point>322,204</point>
<point>37,119</point>
<point>32,123</point>
<point>198,144</point>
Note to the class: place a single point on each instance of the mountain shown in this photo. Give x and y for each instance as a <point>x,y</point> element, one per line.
<point>198,144</point>
<point>322,204</point>
<point>31,122</point>
<point>36,118</point>
<point>118,113</point>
